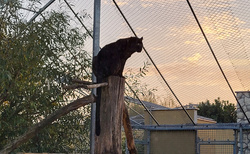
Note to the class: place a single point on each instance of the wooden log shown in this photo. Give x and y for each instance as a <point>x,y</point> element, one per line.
<point>128,131</point>
<point>112,99</point>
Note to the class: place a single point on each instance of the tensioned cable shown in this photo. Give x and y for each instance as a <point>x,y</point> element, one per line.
<point>133,109</point>
<point>150,58</point>
<point>41,10</point>
<point>234,40</point>
<point>40,13</point>
<point>78,18</point>
<point>27,9</point>
<point>88,31</point>
<point>211,49</point>
<point>74,56</point>
<point>100,48</point>
<point>143,104</point>
<point>36,15</point>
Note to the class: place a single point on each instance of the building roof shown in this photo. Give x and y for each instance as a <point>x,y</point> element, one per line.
<point>149,105</point>
<point>139,119</point>
<point>205,119</point>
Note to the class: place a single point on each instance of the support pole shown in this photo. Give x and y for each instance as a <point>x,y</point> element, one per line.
<point>96,48</point>
<point>112,100</point>
<point>241,140</point>
<point>235,140</point>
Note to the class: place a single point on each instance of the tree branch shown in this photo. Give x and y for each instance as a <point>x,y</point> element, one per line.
<point>33,130</point>
<point>81,81</point>
<point>128,131</point>
<point>90,86</point>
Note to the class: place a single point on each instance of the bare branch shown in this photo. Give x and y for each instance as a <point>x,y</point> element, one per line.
<point>97,85</point>
<point>81,81</point>
<point>33,130</point>
<point>90,86</point>
<point>128,130</point>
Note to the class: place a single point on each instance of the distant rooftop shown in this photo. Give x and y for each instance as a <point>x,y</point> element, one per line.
<point>205,118</point>
<point>139,119</point>
<point>149,105</point>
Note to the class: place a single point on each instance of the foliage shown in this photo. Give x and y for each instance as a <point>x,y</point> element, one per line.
<point>139,135</point>
<point>221,111</point>
<point>141,90</point>
<point>133,78</point>
<point>35,60</point>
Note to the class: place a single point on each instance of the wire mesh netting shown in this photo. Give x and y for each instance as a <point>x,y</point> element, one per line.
<point>216,135</point>
<point>215,141</point>
<point>175,43</point>
<point>212,149</point>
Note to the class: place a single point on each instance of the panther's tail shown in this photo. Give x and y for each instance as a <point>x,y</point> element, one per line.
<point>98,105</point>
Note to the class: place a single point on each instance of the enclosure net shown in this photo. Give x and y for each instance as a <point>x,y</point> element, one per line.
<point>176,45</point>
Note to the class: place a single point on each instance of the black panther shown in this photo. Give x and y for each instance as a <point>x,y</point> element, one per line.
<point>110,61</point>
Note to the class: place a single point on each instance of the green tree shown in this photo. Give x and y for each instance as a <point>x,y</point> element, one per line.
<point>133,78</point>
<point>140,89</point>
<point>35,60</point>
<point>221,111</point>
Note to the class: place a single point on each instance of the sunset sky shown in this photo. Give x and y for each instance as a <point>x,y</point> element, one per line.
<point>177,46</point>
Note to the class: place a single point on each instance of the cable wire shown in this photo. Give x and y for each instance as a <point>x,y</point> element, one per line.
<point>150,58</point>
<point>125,81</point>
<point>211,49</point>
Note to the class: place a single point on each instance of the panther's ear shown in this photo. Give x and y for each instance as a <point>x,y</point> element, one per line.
<point>141,38</point>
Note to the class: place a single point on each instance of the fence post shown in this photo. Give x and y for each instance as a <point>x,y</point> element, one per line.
<point>96,48</point>
<point>241,140</point>
<point>235,140</point>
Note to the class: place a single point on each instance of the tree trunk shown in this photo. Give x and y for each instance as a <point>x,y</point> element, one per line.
<point>112,99</point>
<point>128,131</point>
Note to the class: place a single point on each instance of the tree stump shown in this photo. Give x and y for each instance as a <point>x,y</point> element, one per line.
<point>112,100</point>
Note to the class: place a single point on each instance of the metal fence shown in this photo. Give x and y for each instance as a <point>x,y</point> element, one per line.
<point>207,139</point>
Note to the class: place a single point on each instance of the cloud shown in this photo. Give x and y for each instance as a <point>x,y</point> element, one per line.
<point>146,5</point>
<point>119,2</point>
<point>193,59</point>
<point>163,1</point>
<point>220,25</point>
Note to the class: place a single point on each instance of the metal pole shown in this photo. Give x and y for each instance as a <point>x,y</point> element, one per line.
<point>148,141</point>
<point>96,48</point>
<point>241,140</point>
<point>196,142</point>
<point>235,140</point>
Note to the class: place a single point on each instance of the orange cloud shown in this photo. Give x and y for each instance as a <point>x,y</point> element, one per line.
<point>193,59</point>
